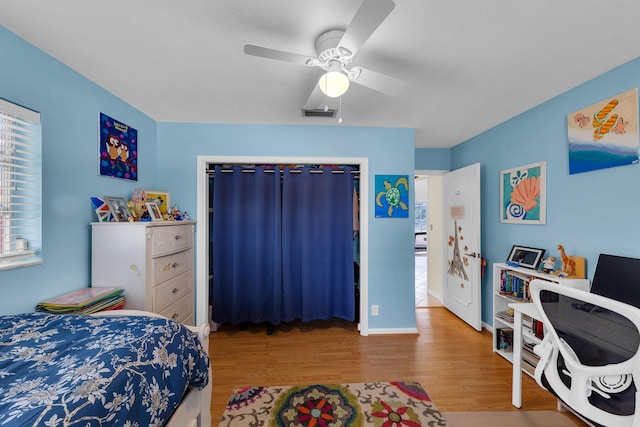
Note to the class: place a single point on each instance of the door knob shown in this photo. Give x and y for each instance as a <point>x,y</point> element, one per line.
<point>473,255</point>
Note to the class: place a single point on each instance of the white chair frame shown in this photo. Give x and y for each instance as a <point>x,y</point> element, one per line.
<point>576,397</point>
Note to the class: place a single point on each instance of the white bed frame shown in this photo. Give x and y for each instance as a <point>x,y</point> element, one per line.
<point>195,408</point>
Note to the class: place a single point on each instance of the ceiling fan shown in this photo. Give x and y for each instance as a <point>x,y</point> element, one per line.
<point>335,50</point>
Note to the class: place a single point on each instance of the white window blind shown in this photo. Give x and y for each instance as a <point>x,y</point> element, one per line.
<point>20,186</point>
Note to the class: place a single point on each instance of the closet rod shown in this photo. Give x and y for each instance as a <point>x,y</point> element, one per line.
<point>272,171</point>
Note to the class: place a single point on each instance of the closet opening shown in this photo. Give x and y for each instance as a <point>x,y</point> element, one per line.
<point>283,243</point>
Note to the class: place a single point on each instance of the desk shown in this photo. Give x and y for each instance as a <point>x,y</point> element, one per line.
<point>519,309</point>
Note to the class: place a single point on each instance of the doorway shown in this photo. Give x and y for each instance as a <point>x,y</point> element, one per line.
<point>202,230</point>
<point>427,242</point>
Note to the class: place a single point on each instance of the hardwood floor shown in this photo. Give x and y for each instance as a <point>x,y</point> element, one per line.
<point>453,362</point>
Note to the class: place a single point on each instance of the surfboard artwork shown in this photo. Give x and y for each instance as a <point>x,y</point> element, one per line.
<point>605,134</point>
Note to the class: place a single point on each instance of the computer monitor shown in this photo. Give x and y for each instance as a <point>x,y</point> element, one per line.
<point>618,278</point>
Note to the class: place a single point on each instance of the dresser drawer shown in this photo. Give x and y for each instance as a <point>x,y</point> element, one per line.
<point>172,290</point>
<point>181,310</point>
<point>171,238</point>
<point>170,266</point>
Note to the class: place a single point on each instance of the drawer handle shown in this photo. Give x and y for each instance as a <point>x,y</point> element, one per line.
<point>175,265</point>
<point>178,237</point>
<point>175,291</point>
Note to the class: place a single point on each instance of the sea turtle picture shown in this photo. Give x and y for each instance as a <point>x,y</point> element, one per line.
<point>392,195</point>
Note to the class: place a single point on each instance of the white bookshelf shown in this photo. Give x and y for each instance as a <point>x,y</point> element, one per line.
<point>501,302</point>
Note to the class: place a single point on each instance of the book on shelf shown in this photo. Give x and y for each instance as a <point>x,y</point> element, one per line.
<point>515,284</point>
<point>506,315</point>
<point>527,320</point>
<point>505,339</point>
<point>529,357</point>
<point>538,329</point>
<point>84,300</point>
<point>528,367</point>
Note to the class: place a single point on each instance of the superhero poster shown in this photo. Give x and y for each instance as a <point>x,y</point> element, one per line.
<point>118,149</point>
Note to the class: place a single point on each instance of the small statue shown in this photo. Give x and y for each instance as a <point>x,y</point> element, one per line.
<point>568,263</point>
<point>145,216</point>
<point>175,212</point>
<point>549,264</point>
<point>138,199</point>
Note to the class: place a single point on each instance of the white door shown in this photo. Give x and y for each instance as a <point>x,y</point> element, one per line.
<point>462,266</point>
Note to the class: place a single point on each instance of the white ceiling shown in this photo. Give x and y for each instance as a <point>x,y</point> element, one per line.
<point>468,64</point>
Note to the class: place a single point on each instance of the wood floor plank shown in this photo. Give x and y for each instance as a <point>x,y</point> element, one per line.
<point>453,362</point>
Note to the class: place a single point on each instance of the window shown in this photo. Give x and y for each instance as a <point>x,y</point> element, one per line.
<point>420,217</point>
<point>20,186</point>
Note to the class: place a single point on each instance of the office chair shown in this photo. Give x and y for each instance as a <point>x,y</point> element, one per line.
<point>589,355</point>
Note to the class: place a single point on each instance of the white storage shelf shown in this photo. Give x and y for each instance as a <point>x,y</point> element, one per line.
<point>501,302</point>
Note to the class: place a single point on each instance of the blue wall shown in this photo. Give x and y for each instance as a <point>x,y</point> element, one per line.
<point>589,213</point>
<point>433,159</point>
<point>70,105</point>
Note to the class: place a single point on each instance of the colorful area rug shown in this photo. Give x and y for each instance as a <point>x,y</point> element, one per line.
<point>393,404</point>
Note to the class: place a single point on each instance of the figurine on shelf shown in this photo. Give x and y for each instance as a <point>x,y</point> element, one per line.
<point>568,264</point>
<point>175,212</point>
<point>572,266</point>
<point>145,216</point>
<point>549,264</point>
<point>138,198</point>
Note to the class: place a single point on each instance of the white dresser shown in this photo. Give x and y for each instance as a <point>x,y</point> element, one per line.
<point>152,261</point>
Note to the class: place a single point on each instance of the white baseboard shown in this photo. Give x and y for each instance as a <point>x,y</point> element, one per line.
<point>381,331</point>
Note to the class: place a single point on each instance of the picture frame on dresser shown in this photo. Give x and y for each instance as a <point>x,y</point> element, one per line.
<point>119,209</point>
<point>160,198</point>
<point>154,211</point>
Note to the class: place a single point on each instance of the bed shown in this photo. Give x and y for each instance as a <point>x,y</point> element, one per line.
<point>113,368</point>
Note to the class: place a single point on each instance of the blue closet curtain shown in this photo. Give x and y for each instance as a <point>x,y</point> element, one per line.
<point>247,260</point>
<point>282,251</point>
<point>317,245</point>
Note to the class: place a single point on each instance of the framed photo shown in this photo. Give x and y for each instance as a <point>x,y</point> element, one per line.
<point>160,198</point>
<point>523,194</point>
<point>154,211</point>
<point>522,256</point>
<point>119,208</point>
<point>118,146</point>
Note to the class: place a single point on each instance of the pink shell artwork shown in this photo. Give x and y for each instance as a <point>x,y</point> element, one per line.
<point>526,193</point>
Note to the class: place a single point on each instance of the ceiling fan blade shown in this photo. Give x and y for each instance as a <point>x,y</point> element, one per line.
<point>265,52</point>
<point>379,82</point>
<point>365,22</point>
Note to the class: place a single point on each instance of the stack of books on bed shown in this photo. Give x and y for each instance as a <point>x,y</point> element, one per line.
<point>84,301</point>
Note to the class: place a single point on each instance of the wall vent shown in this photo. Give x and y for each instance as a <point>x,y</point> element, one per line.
<point>319,112</point>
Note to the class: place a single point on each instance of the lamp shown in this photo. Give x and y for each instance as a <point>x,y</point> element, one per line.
<point>333,83</point>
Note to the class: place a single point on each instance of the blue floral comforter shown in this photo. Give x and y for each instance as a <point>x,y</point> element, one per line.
<point>72,370</point>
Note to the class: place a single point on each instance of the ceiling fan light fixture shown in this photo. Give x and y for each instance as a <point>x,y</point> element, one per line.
<point>333,83</point>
